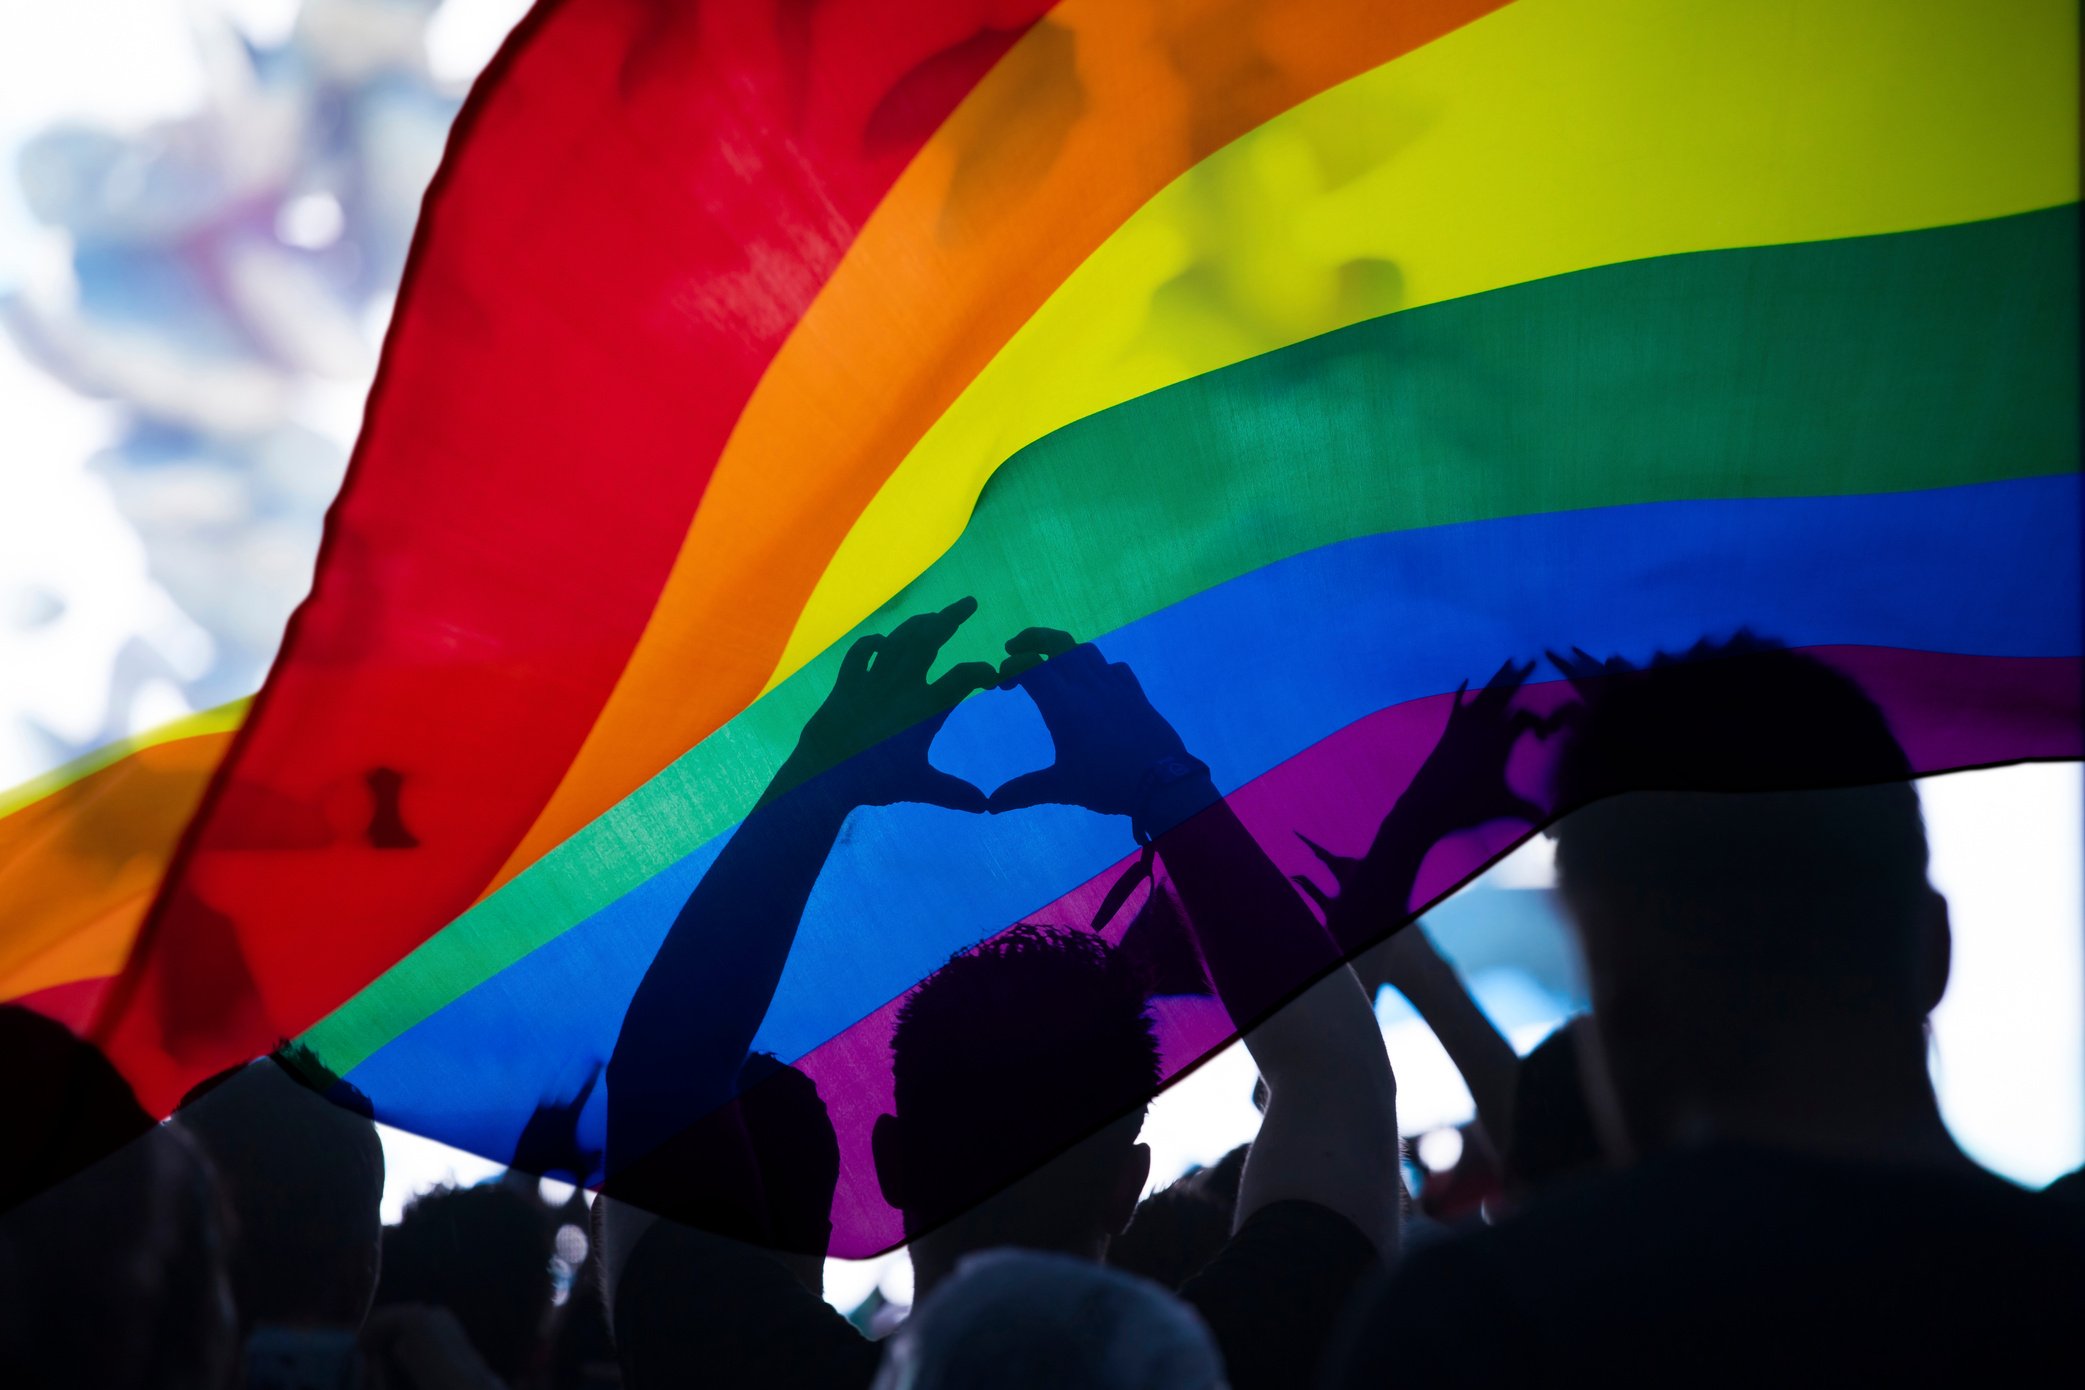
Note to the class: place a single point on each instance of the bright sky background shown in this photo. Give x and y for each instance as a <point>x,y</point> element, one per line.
<point>2009,1050</point>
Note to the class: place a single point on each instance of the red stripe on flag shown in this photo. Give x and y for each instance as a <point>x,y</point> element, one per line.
<point>637,204</point>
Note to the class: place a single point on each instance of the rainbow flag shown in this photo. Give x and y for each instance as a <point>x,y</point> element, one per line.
<point>1311,356</point>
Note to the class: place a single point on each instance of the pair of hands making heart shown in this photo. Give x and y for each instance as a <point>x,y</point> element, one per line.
<point>870,737</point>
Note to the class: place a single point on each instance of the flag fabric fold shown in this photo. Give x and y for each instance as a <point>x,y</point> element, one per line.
<point>1310,361</point>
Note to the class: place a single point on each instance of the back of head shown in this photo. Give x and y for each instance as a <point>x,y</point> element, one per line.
<point>1175,1232</point>
<point>111,1233</point>
<point>1000,1060</point>
<point>115,1277</point>
<point>1018,1319</point>
<point>304,1178</point>
<point>1748,870</point>
<point>67,1107</point>
<point>484,1254</point>
<point>760,1169</point>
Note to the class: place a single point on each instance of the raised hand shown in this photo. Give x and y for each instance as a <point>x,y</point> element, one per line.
<point>549,1142</point>
<point>872,733</point>
<point>1112,746</point>
<point>1462,783</point>
<point>1342,867</point>
<point>689,1026</point>
<point>1586,671</point>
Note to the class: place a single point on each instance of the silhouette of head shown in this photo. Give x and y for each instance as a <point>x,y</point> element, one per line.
<point>1751,893</point>
<point>67,1107</point>
<point>1175,1232</point>
<point>1017,1319</point>
<point>762,1169</point>
<point>304,1179</point>
<point>116,1276</point>
<point>999,1057</point>
<point>111,1243</point>
<point>484,1254</point>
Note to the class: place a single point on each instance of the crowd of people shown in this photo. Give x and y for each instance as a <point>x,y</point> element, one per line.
<point>1731,1168</point>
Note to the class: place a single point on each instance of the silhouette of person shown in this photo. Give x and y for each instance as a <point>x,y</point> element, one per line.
<point>67,1107</point>
<point>735,1151</point>
<point>112,1274</point>
<point>482,1253</point>
<point>1747,876</point>
<point>1009,1051</point>
<point>300,1177</point>
<point>1461,785</point>
<point>1037,1036</point>
<point>303,1177</point>
<point>1173,1234</point>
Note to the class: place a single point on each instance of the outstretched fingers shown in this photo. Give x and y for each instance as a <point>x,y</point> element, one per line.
<point>1316,894</point>
<point>1341,865</point>
<point>1583,669</point>
<point>1504,684</point>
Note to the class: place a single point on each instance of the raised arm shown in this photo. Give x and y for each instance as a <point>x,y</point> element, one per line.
<point>693,1017</point>
<point>1461,785</point>
<point>1330,1132</point>
<point>1408,963</point>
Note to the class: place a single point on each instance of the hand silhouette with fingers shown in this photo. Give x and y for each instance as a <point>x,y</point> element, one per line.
<point>1461,785</point>
<point>1586,671</point>
<point>692,1020</point>
<point>874,729</point>
<point>1108,737</point>
<point>1342,867</point>
<point>1593,677</point>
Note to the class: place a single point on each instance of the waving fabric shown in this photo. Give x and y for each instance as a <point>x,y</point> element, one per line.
<point>1309,359</point>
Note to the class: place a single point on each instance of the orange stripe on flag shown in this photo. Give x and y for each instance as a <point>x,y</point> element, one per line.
<point>78,866</point>
<point>1095,110</point>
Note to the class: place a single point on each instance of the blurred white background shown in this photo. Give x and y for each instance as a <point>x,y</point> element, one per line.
<point>204,205</point>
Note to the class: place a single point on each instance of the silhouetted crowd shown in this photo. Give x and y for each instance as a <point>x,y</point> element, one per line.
<point>1731,1169</point>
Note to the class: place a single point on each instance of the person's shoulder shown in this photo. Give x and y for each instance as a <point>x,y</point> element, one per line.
<point>1960,1198</point>
<point>1680,1251</point>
